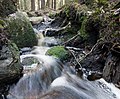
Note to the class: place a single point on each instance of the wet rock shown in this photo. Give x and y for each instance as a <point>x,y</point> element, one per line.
<point>61,93</point>
<point>94,76</point>
<point>25,50</point>
<point>50,41</point>
<point>21,31</point>
<point>35,20</point>
<point>10,68</point>
<point>59,52</point>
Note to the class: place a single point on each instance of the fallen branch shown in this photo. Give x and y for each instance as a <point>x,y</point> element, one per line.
<point>75,58</point>
<point>70,39</point>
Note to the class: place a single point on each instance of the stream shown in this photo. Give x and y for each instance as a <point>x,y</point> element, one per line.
<point>46,77</point>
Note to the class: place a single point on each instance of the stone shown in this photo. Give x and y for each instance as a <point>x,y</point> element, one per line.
<point>35,20</point>
<point>7,7</point>
<point>59,52</point>
<point>21,31</point>
<point>10,68</point>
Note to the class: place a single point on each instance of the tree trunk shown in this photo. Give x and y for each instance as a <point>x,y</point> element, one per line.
<point>54,4</point>
<point>38,4</point>
<point>42,4</point>
<point>48,3</point>
<point>33,5</point>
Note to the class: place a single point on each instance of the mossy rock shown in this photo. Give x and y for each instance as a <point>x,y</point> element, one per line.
<point>90,28</point>
<point>59,52</point>
<point>21,31</point>
<point>7,7</point>
<point>10,67</point>
<point>75,11</point>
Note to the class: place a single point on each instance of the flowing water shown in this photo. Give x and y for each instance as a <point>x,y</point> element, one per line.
<point>45,77</point>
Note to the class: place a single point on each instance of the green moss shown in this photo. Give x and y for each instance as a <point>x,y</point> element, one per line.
<point>83,31</point>
<point>16,66</point>
<point>2,24</point>
<point>90,28</point>
<point>74,11</point>
<point>59,52</point>
<point>7,7</point>
<point>21,31</point>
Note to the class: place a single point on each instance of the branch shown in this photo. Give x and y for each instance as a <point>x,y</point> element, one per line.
<point>70,39</point>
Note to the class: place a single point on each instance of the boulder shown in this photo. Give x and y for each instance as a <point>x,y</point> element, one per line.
<point>35,20</point>
<point>7,7</point>
<point>10,68</point>
<point>21,31</point>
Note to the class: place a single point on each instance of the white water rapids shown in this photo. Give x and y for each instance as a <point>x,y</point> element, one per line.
<point>45,78</point>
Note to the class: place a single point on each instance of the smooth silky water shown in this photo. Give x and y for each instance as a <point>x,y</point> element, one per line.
<point>45,78</point>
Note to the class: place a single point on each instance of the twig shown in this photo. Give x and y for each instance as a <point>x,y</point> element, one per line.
<point>70,39</point>
<point>75,58</point>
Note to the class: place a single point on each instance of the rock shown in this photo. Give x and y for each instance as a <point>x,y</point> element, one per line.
<point>61,93</point>
<point>25,50</point>
<point>7,7</point>
<point>32,14</point>
<point>10,68</point>
<point>35,20</point>
<point>21,31</point>
<point>94,76</point>
<point>90,28</point>
<point>50,41</point>
<point>59,52</point>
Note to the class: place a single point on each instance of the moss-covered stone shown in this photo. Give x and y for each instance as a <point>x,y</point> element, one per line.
<point>75,12</point>
<point>7,7</point>
<point>20,31</point>
<point>10,67</point>
<point>90,28</point>
<point>59,52</point>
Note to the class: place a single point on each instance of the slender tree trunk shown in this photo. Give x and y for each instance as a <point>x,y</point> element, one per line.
<point>54,4</point>
<point>42,4</point>
<point>33,5</point>
<point>38,4</point>
<point>48,3</point>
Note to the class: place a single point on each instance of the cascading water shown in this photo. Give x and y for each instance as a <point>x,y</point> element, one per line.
<point>45,77</point>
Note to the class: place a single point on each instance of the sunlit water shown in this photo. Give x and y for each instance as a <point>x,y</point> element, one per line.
<point>45,78</point>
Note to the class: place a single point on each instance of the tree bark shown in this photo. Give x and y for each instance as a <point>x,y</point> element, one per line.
<point>33,5</point>
<point>38,4</point>
<point>42,4</point>
<point>54,4</point>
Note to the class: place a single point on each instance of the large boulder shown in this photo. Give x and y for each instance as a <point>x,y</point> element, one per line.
<point>10,68</point>
<point>7,7</point>
<point>21,31</point>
